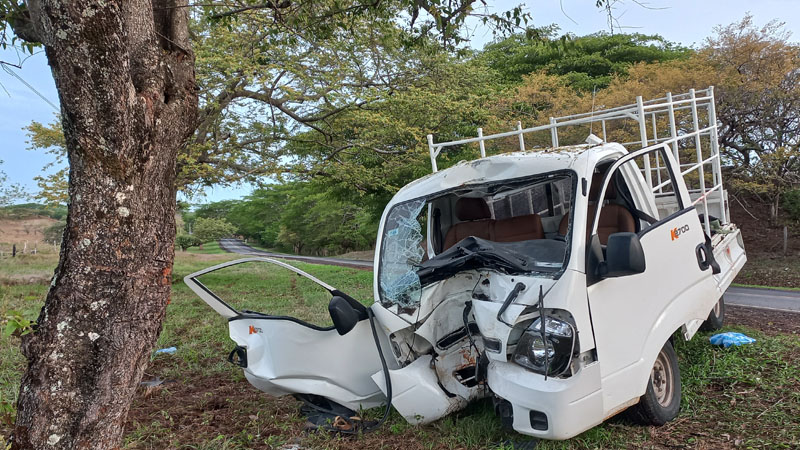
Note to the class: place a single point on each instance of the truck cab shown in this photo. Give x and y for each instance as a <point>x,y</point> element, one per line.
<point>551,280</point>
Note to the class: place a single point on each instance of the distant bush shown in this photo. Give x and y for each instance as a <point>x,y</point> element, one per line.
<point>27,210</point>
<point>54,232</point>
<point>791,203</point>
<point>211,229</point>
<point>184,241</point>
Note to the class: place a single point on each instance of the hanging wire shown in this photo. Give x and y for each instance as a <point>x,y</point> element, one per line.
<point>33,89</point>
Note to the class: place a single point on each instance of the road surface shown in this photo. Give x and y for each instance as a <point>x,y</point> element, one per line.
<point>237,246</point>
<point>740,296</point>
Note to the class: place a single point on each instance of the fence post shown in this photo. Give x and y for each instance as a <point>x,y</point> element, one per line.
<point>785,240</point>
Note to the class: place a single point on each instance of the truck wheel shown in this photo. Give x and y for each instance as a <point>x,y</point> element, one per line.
<point>662,400</point>
<point>715,318</point>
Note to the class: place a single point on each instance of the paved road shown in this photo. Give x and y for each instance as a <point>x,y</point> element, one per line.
<point>740,296</point>
<point>237,246</point>
<point>764,298</point>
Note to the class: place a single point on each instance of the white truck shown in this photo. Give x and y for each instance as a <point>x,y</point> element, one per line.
<point>553,281</point>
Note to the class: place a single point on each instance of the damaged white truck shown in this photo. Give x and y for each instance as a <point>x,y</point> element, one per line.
<point>551,280</point>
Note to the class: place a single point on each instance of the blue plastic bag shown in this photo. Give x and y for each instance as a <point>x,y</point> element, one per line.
<point>168,350</point>
<point>730,338</point>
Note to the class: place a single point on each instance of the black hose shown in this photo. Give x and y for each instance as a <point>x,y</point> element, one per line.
<point>465,318</point>
<point>388,378</point>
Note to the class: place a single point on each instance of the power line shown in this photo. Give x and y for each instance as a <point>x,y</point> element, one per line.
<point>33,89</point>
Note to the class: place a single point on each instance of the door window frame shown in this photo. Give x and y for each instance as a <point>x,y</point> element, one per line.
<point>680,189</point>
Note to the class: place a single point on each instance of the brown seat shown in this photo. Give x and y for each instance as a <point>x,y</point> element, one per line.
<point>475,220</point>
<point>614,218</point>
<point>522,228</point>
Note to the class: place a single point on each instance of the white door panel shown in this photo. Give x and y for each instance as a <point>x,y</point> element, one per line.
<point>634,314</point>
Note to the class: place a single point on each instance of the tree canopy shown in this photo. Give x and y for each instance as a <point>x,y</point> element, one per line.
<point>586,62</point>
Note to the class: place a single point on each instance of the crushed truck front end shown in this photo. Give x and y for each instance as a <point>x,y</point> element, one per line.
<point>480,288</point>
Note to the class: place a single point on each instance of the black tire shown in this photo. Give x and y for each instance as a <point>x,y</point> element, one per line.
<point>662,400</point>
<point>716,318</point>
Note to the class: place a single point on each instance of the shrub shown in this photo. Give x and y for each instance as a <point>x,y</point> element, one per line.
<point>184,241</point>
<point>791,203</point>
<point>54,232</point>
<point>211,229</point>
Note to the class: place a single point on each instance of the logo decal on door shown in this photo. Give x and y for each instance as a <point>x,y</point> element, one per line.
<point>676,232</point>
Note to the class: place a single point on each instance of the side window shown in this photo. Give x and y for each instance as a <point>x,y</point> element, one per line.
<point>634,201</point>
<point>561,194</point>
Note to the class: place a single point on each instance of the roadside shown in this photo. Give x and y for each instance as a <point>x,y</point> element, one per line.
<point>237,246</point>
<point>774,299</point>
<point>763,240</point>
<point>739,397</point>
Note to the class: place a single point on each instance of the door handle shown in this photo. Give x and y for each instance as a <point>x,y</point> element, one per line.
<point>702,256</point>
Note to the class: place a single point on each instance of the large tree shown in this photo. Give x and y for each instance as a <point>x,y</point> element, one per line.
<point>125,76</point>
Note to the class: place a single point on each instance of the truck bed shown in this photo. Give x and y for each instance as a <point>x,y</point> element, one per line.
<point>729,253</point>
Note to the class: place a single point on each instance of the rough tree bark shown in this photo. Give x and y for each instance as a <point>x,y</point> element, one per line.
<point>125,76</point>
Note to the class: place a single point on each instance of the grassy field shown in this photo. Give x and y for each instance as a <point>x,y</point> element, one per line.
<point>209,248</point>
<point>740,397</point>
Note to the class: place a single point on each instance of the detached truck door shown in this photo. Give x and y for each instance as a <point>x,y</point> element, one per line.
<point>634,315</point>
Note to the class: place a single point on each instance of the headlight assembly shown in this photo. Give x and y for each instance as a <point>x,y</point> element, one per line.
<point>549,354</point>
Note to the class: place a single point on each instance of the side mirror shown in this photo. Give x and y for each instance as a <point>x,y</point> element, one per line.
<point>344,316</point>
<point>624,256</point>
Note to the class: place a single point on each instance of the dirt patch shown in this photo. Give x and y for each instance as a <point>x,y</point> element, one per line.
<point>17,231</point>
<point>768,321</point>
<point>200,408</point>
<point>365,255</point>
<point>39,278</point>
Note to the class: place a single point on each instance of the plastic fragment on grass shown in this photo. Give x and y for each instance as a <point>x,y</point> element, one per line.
<point>157,381</point>
<point>168,350</point>
<point>730,338</point>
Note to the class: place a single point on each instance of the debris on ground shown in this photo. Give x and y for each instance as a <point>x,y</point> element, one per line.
<point>151,386</point>
<point>730,338</point>
<point>168,350</point>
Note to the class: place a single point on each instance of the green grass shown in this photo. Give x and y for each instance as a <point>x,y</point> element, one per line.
<point>749,395</point>
<point>23,268</point>
<point>209,248</point>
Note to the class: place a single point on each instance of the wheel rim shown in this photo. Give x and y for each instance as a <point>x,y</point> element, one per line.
<point>661,378</point>
<point>717,308</point>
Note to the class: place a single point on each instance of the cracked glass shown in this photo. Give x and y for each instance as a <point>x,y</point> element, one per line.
<point>402,253</point>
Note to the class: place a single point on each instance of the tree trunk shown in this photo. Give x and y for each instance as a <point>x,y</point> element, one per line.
<point>125,76</point>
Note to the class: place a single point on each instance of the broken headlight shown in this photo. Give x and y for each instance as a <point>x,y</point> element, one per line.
<point>550,355</point>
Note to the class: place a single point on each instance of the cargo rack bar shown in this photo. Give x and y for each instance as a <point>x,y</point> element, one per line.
<point>646,115</point>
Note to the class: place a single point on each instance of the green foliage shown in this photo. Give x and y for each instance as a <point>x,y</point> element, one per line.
<point>791,203</point>
<point>9,193</point>
<point>54,233</point>
<point>212,229</point>
<point>27,210</point>
<point>53,188</point>
<point>184,241</point>
<point>17,324</point>
<point>586,62</point>
<point>300,217</point>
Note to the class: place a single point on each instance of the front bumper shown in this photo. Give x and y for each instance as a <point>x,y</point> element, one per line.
<point>571,405</point>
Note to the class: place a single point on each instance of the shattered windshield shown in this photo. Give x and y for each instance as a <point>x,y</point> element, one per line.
<point>402,255</point>
<point>515,226</point>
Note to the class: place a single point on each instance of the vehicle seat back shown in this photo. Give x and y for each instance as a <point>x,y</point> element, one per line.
<point>475,220</point>
<point>614,218</point>
<point>521,228</point>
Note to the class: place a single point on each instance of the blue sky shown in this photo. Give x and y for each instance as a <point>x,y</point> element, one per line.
<point>687,22</point>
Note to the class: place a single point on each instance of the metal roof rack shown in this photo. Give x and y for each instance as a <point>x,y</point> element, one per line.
<point>693,102</point>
